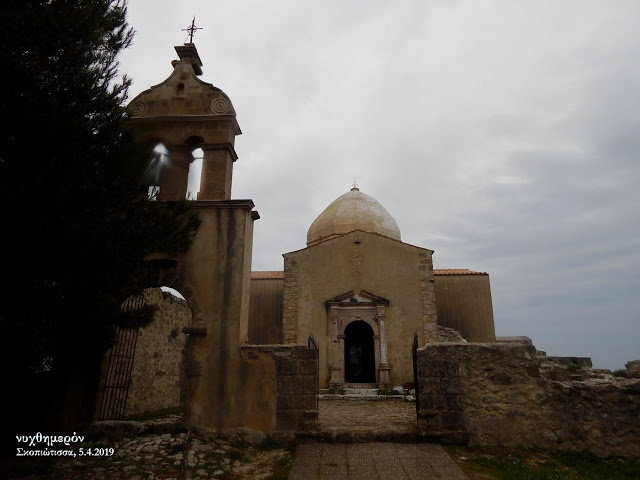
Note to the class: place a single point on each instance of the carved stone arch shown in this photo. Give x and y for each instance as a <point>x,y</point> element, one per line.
<point>346,308</point>
<point>194,141</point>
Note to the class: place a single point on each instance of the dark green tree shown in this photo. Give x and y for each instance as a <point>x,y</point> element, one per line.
<point>76,222</point>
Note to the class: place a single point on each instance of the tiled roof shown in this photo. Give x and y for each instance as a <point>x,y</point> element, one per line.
<point>456,271</point>
<point>267,274</point>
<point>277,274</point>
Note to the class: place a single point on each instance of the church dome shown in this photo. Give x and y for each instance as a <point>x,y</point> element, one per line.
<point>352,211</point>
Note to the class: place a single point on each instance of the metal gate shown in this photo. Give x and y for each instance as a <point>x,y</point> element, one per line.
<point>416,384</point>
<point>120,365</point>
<point>312,344</point>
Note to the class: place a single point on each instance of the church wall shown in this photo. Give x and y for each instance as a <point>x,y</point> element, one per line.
<point>464,303</point>
<point>387,268</point>
<point>265,311</point>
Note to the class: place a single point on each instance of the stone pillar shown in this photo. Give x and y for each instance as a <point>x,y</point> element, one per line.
<point>217,169</point>
<point>335,379</point>
<point>384,380</point>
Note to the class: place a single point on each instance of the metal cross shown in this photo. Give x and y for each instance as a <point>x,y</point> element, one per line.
<point>192,29</point>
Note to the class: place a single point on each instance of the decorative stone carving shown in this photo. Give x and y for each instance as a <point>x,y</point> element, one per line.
<point>347,308</point>
<point>356,261</point>
<point>220,106</point>
<point>137,109</point>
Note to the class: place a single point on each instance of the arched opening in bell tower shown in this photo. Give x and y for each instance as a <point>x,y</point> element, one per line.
<point>160,161</point>
<point>195,174</point>
<point>359,353</point>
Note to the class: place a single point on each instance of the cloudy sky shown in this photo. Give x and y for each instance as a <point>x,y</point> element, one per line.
<point>503,135</point>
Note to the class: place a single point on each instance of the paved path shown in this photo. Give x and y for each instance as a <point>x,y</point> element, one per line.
<point>373,461</point>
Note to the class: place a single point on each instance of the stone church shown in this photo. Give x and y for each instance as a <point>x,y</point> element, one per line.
<point>363,294</point>
<point>356,288</point>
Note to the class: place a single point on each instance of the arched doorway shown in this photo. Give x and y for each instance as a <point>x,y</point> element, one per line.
<point>359,353</point>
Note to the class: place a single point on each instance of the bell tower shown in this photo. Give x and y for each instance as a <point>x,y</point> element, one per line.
<point>184,113</point>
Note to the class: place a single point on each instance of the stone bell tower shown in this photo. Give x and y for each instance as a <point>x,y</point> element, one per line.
<point>184,113</point>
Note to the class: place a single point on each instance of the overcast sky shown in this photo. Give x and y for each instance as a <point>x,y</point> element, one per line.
<point>503,135</point>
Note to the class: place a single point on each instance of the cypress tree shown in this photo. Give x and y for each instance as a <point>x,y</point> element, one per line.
<point>76,222</point>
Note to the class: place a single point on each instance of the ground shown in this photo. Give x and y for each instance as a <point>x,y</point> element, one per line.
<point>161,449</point>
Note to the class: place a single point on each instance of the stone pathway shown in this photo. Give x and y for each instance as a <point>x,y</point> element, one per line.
<point>345,448</point>
<point>373,461</point>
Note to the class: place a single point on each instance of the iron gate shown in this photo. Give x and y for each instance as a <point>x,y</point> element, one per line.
<point>120,365</point>
<point>414,352</point>
<point>312,344</point>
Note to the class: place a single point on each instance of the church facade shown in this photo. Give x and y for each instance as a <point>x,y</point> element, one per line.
<point>363,295</point>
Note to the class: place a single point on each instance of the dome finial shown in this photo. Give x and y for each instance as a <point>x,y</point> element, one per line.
<point>355,186</point>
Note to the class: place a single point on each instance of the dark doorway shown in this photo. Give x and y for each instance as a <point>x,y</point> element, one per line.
<point>359,355</point>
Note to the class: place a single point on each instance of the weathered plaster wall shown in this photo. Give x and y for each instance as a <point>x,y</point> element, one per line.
<point>358,261</point>
<point>265,311</point>
<point>214,277</point>
<point>494,394</point>
<point>464,304</point>
<point>156,379</point>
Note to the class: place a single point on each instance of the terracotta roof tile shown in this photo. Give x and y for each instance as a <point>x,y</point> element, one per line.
<point>267,274</point>
<point>456,271</point>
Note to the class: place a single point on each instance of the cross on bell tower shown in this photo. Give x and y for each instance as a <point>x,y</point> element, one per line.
<point>192,29</point>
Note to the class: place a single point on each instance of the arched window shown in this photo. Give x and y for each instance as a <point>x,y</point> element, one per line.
<point>159,161</point>
<point>195,173</point>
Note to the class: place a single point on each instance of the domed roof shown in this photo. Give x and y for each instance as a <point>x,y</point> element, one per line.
<point>352,211</point>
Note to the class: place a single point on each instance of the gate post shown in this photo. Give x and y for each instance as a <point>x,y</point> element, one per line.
<point>416,383</point>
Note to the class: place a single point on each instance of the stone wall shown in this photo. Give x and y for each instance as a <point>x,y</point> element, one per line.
<point>428,296</point>
<point>157,378</point>
<point>495,394</point>
<point>290,299</point>
<point>281,394</point>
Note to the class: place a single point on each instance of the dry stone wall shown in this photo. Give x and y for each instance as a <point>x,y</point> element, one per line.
<point>290,299</point>
<point>297,387</point>
<point>157,378</point>
<point>428,297</point>
<point>284,383</point>
<point>495,394</point>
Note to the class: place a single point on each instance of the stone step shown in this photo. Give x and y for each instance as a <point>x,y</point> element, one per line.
<point>365,392</point>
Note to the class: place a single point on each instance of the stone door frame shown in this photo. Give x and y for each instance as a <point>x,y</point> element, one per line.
<point>346,308</point>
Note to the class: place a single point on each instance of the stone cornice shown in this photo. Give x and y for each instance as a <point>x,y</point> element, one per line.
<point>223,118</point>
<point>241,204</point>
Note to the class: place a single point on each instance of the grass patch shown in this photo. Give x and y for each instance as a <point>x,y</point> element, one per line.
<point>504,463</point>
